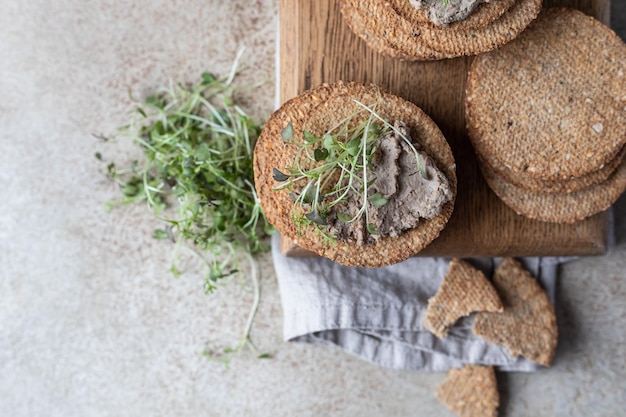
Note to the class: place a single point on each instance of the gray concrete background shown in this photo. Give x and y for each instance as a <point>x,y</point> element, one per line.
<point>91,322</point>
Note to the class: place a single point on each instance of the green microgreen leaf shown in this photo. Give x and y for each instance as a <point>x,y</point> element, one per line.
<point>208,78</point>
<point>310,194</point>
<point>328,141</point>
<point>160,234</point>
<point>315,217</point>
<point>371,228</point>
<point>353,146</point>
<point>320,154</point>
<point>279,176</point>
<point>377,200</point>
<point>344,217</point>
<point>287,132</point>
<point>310,138</point>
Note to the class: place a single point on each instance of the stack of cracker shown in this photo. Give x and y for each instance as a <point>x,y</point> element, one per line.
<point>546,114</point>
<point>398,29</point>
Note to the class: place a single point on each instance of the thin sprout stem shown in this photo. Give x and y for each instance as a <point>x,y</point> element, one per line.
<point>233,70</point>
<point>397,131</point>
<point>255,302</point>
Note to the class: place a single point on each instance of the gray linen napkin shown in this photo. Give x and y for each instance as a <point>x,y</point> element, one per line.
<point>376,314</point>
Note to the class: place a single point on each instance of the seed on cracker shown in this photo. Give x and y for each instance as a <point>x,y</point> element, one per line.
<point>527,327</point>
<point>464,290</point>
<point>471,391</point>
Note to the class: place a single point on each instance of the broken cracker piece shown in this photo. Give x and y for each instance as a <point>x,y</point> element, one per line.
<point>471,391</point>
<point>464,290</point>
<point>527,327</point>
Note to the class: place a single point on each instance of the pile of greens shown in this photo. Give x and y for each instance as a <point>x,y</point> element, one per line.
<point>197,176</point>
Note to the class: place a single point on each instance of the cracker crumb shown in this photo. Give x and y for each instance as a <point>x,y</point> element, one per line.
<point>471,391</point>
<point>598,127</point>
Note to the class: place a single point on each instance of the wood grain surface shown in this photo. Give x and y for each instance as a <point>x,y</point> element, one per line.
<point>317,46</point>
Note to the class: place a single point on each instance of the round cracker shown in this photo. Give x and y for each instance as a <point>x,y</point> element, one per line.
<point>526,182</point>
<point>378,24</point>
<point>372,24</point>
<point>272,151</point>
<point>552,104</point>
<point>559,208</point>
<point>486,38</point>
<point>483,15</point>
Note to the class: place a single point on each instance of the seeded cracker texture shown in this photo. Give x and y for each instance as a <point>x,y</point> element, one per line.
<point>272,151</point>
<point>385,32</point>
<point>380,24</point>
<point>483,15</point>
<point>527,327</point>
<point>471,391</point>
<point>559,208</point>
<point>464,290</point>
<point>524,181</point>
<point>552,104</point>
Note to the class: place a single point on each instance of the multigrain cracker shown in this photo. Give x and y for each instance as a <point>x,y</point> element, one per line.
<point>464,290</point>
<point>389,32</point>
<point>385,32</point>
<point>527,327</point>
<point>524,181</point>
<point>551,105</point>
<point>471,391</point>
<point>559,208</point>
<point>486,38</point>
<point>272,151</point>
<point>484,14</point>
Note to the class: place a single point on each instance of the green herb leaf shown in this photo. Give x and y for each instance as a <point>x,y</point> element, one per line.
<point>208,78</point>
<point>371,227</point>
<point>353,146</point>
<point>287,132</point>
<point>320,154</point>
<point>279,176</point>
<point>344,217</point>
<point>328,141</point>
<point>160,234</point>
<point>315,217</point>
<point>377,199</point>
<point>309,137</point>
<point>309,194</point>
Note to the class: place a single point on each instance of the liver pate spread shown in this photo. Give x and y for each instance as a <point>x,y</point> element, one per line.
<point>443,12</point>
<point>415,189</point>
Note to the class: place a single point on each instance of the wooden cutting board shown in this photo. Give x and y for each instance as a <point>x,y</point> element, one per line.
<point>317,46</point>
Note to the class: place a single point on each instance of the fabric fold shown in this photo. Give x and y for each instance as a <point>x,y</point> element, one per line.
<point>376,314</point>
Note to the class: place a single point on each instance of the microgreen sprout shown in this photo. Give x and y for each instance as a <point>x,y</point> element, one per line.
<point>331,168</point>
<point>197,177</point>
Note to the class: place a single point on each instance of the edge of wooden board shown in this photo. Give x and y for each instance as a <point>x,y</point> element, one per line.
<point>458,239</point>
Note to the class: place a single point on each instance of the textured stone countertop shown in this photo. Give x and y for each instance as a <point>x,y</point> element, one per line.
<point>91,321</point>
